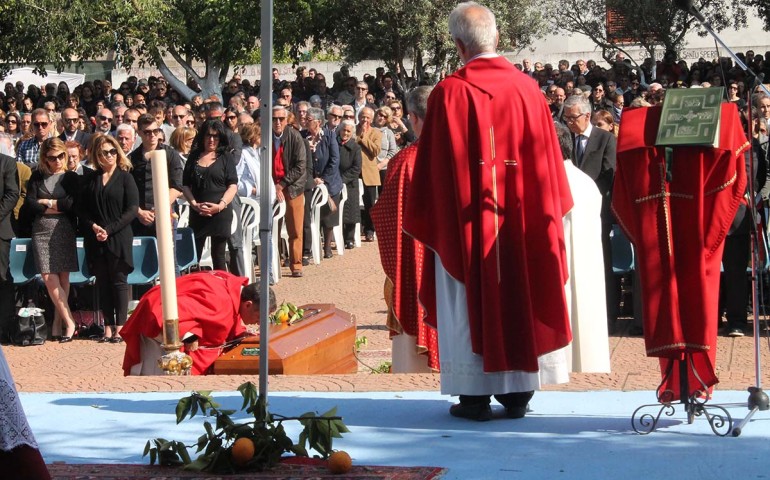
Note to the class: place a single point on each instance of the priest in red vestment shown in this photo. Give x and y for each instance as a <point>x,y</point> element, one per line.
<point>487,198</point>
<point>213,306</point>
<point>677,216</point>
<point>402,257</point>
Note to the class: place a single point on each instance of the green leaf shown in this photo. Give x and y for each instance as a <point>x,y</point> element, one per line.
<point>146,449</point>
<point>181,449</point>
<point>182,409</point>
<point>153,456</point>
<point>199,464</point>
<point>202,441</point>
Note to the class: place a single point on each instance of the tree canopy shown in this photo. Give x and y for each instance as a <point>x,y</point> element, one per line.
<point>650,24</point>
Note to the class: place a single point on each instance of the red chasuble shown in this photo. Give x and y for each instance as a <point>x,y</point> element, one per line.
<point>678,228</point>
<point>402,257</point>
<point>208,307</point>
<point>488,194</point>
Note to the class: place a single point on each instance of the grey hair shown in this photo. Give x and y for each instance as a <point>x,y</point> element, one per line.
<point>316,114</point>
<point>302,103</point>
<point>565,140</point>
<point>474,25</point>
<point>280,108</point>
<point>6,144</point>
<point>125,127</point>
<point>417,100</point>
<point>349,123</point>
<point>580,101</point>
<point>332,107</point>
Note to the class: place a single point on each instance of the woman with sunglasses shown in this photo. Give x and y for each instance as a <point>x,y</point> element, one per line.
<point>210,182</point>
<point>13,125</point>
<point>51,194</point>
<point>108,204</point>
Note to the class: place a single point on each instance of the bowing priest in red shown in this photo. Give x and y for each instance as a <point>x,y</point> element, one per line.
<point>677,214</point>
<point>415,343</point>
<point>487,199</point>
<point>214,308</point>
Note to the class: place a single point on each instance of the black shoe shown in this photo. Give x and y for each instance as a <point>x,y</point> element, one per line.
<point>65,339</point>
<point>296,273</point>
<point>736,332</point>
<point>328,254</point>
<point>349,245</point>
<point>116,340</point>
<point>305,261</point>
<point>516,412</point>
<point>103,340</point>
<point>369,237</point>
<point>480,412</point>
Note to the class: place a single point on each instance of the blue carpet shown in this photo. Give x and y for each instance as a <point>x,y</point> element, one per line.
<point>568,435</point>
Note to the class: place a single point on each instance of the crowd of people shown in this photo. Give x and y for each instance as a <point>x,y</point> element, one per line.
<point>82,167</point>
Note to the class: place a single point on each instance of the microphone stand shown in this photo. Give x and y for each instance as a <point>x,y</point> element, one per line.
<point>758,399</point>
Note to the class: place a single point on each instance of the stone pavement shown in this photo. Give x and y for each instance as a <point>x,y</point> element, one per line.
<point>353,282</point>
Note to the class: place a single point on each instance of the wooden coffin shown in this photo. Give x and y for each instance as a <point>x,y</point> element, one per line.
<point>321,343</point>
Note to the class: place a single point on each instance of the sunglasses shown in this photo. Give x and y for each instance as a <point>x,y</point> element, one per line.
<point>152,131</point>
<point>190,123</point>
<point>11,120</point>
<point>178,117</point>
<point>40,124</point>
<point>335,116</point>
<point>54,158</point>
<point>104,118</point>
<point>280,119</point>
<point>110,153</point>
<point>348,116</point>
<point>70,120</point>
<point>231,117</point>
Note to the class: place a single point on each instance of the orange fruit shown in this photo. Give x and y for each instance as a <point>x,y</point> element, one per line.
<point>340,462</point>
<point>283,317</point>
<point>242,451</point>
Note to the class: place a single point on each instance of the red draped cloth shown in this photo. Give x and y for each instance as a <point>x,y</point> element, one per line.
<point>488,195</point>
<point>208,305</point>
<point>678,226</point>
<point>402,257</point>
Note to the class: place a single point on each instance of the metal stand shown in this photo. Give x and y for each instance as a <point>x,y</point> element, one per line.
<point>695,404</point>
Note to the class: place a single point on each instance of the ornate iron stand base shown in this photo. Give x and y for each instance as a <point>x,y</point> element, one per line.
<point>719,418</point>
<point>695,405</point>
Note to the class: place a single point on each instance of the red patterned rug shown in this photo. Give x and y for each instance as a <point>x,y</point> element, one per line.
<point>315,469</point>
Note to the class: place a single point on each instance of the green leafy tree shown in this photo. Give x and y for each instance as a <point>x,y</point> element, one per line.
<point>220,34</point>
<point>651,24</point>
<point>763,11</point>
<point>400,29</point>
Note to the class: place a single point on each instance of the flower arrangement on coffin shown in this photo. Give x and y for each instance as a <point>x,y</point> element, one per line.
<point>287,313</point>
<point>258,444</point>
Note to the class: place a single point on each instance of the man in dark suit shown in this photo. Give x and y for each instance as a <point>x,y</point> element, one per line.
<point>71,131</point>
<point>594,154</point>
<point>9,195</point>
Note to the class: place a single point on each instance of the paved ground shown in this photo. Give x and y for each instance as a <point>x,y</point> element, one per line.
<point>354,283</point>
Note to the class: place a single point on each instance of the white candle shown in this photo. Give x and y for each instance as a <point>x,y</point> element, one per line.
<point>165,234</point>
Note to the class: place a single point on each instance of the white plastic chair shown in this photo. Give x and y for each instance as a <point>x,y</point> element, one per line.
<point>249,225</point>
<point>184,213</point>
<point>357,232</point>
<point>339,238</point>
<point>320,198</point>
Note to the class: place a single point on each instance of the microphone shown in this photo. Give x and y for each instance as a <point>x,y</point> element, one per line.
<point>688,7</point>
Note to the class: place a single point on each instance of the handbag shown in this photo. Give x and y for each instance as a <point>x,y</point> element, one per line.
<point>31,328</point>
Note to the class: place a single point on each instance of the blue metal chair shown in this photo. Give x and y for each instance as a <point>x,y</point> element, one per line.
<point>622,252</point>
<point>22,262</point>
<point>146,263</point>
<point>82,276</point>
<point>186,254</point>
